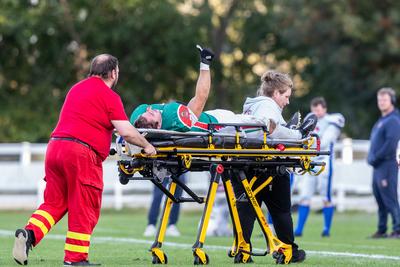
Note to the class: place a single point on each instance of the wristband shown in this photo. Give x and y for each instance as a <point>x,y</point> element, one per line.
<point>204,66</point>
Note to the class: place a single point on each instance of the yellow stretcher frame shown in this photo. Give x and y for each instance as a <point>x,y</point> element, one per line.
<point>190,158</point>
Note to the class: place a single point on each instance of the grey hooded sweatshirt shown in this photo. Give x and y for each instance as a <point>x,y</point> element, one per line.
<point>265,108</point>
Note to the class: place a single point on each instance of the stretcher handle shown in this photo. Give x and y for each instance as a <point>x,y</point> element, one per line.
<point>318,140</point>
<point>238,126</point>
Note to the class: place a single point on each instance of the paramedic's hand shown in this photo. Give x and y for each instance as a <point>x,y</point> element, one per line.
<point>206,55</point>
<point>308,125</point>
<point>149,150</point>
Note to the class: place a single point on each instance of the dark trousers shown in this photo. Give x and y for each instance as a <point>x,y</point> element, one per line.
<point>384,186</point>
<point>277,198</point>
<point>156,203</point>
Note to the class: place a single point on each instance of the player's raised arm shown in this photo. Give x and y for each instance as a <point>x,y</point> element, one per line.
<point>197,103</point>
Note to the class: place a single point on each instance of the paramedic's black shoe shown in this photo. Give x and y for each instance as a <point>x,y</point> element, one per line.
<point>395,234</point>
<point>298,255</point>
<point>24,240</point>
<point>378,235</point>
<point>80,263</point>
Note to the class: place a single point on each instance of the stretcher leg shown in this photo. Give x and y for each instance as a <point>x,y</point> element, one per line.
<point>279,249</point>
<point>239,243</point>
<point>159,257</point>
<point>200,257</point>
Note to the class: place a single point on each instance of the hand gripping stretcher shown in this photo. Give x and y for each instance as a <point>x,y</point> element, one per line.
<point>227,156</point>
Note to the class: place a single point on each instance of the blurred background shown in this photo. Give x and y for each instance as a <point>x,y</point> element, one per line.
<point>344,50</point>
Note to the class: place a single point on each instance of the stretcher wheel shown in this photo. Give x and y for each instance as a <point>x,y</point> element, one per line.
<point>231,253</point>
<point>198,261</point>
<point>123,178</point>
<point>157,260</point>
<point>242,258</point>
<point>279,257</point>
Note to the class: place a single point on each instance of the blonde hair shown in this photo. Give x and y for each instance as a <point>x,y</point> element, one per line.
<point>273,80</point>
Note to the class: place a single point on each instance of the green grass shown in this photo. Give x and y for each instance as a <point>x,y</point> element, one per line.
<point>349,234</point>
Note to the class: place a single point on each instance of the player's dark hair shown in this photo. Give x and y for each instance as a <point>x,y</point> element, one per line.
<point>142,122</point>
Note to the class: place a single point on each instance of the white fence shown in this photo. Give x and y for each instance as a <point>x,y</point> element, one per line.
<point>22,172</point>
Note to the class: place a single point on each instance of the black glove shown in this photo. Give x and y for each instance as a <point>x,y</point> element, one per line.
<point>206,55</point>
<point>308,125</point>
<point>294,122</point>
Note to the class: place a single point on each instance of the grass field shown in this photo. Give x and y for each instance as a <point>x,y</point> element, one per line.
<point>118,241</point>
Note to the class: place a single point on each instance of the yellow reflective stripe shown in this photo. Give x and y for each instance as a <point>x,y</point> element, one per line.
<point>78,236</point>
<point>39,224</point>
<point>47,215</point>
<point>76,248</point>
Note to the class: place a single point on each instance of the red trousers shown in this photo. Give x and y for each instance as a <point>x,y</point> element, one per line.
<point>74,184</point>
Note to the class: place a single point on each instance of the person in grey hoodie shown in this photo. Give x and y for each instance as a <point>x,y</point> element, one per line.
<point>272,96</point>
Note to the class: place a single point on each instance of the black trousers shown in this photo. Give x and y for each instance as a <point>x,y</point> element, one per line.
<point>277,198</point>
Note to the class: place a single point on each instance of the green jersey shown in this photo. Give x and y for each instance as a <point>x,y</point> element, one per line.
<point>175,116</point>
<point>202,124</point>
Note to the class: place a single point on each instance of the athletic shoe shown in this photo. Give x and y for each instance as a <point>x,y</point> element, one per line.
<point>22,244</point>
<point>294,122</point>
<point>325,233</point>
<point>298,234</point>
<point>394,234</point>
<point>80,263</point>
<point>150,230</point>
<point>298,255</point>
<point>378,235</point>
<point>172,231</point>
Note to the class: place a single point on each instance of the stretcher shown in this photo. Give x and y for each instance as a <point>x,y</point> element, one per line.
<point>227,156</point>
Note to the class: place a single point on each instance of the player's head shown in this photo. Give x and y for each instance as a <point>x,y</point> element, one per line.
<point>386,99</point>
<point>277,86</point>
<point>318,106</point>
<point>106,67</point>
<point>151,119</point>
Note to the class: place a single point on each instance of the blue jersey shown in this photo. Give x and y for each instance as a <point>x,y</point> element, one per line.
<point>384,138</point>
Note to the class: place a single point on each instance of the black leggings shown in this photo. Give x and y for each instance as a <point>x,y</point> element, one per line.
<point>277,198</point>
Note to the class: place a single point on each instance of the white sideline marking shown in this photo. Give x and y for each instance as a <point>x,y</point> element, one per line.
<point>8,233</point>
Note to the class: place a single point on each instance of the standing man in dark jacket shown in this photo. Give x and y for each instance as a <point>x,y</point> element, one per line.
<point>382,157</point>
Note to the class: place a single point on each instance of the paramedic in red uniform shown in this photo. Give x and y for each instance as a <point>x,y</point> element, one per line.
<point>73,165</point>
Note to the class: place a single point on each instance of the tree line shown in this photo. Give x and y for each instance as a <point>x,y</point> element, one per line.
<point>343,50</point>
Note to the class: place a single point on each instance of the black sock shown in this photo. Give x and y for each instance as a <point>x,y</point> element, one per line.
<point>31,236</point>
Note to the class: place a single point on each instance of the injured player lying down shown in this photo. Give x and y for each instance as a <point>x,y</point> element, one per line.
<point>178,117</point>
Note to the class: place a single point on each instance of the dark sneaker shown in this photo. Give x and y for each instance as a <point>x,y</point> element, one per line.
<point>298,234</point>
<point>325,234</point>
<point>378,235</point>
<point>22,244</point>
<point>80,263</point>
<point>298,255</point>
<point>294,122</point>
<point>394,234</point>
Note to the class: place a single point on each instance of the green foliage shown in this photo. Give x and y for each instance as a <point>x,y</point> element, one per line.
<point>343,50</point>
